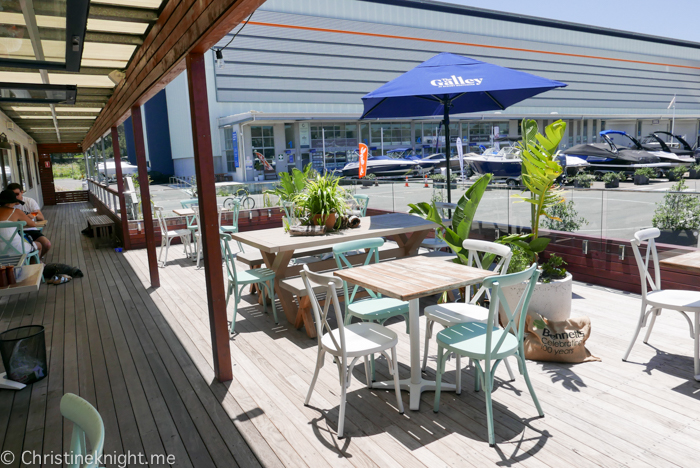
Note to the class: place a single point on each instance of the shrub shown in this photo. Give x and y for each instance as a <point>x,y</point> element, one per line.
<point>584,180</point>
<point>610,177</point>
<point>568,218</point>
<point>553,269</point>
<point>646,172</point>
<point>622,175</point>
<point>520,260</point>
<point>678,210</point>
<point>677,172</point>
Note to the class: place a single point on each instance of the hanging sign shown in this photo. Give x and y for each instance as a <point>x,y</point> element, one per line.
<point>235,149</point>
<point>460,153</point>
<point>363,160</point>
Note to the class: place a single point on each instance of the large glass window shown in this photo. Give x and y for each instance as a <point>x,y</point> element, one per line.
<point>230,149</point>
<point>263,141</point>
<point>289,140</point>
<point>5,168</point>
<point>594,138</point>
<point>391,133</point>
<point>30,180</point>
<point>18,161</point>
<point>585,132</point>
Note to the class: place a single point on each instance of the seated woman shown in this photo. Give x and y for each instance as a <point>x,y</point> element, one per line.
<point>9,212</point>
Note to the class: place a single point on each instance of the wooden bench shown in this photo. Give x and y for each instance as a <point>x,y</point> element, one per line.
<point>102,227</point>
<point>253,258</point>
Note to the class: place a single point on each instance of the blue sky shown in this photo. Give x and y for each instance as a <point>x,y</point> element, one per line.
<point>678,19</point>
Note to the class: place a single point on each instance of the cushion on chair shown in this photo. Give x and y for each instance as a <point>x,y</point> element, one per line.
<point>367,308</point>
<point>469,339</point>
<point>453,313</point>
<point>677,299</point>
<point>361,339</point>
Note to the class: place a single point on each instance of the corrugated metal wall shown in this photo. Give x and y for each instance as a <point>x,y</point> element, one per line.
<point>323,56</point>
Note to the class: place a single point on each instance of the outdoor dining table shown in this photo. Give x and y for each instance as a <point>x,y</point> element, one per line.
<point>409,279</point>
<point>687,262</point>
<point>277,248</point>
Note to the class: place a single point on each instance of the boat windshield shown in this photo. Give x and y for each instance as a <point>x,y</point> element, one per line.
<point>611,146</point>
<point>674,141</point>
<point>623,141</point>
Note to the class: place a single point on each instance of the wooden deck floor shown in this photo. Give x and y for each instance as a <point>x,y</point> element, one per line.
<point>143,357</point>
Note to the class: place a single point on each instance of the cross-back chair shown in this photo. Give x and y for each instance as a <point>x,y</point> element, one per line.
<point>10,253</point>
<point>87,424</point>
<point>167,235</point>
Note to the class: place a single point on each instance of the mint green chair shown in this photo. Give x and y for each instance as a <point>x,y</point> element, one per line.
<point>235,212</point>
<point>263,277</point>
<point>188,203</point>
<point>483,342</point>
<point>9,254</point>
<point>87,423</point>
<point>363,203</point>
<point>191,220</point>
<point>374,308</point>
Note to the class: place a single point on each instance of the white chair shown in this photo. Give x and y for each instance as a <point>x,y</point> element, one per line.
<point>166,236</point>
<point>657,299</point>
<point>454,313</point>
<point>197,232</point>
<point>87,422</point>
<point>436,242</point>
<point>347,341</point>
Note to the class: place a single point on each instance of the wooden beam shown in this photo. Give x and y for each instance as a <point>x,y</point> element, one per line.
<point>140,145</point>
<point>208,216</point>
<point>182,26</point>
<point>50,148</point>
<point>120,188</point>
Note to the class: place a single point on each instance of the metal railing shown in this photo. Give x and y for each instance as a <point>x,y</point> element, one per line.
<point>183,182</point>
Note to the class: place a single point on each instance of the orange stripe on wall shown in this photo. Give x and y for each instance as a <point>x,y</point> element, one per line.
<point>439,41</point>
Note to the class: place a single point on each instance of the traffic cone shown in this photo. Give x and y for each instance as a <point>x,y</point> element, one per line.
<point>406,181</point>
<point>426,181</point>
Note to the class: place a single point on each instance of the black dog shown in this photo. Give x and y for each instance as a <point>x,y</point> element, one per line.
<point>53,269</point>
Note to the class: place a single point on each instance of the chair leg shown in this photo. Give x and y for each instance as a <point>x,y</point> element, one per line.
<point>397,386</point>
<point>510,371</point>
<point>167,246</point>
<point>262,288</point>
<point>438,376</point>
<point>477,377</point>
<point>371,367</point>
<point>651,325</point>
<point>341,417</point>
<point>367,373</point>
<point>271,293</point>
<point>696,357</point>
<point>235,309</point>
<point>458,376</point>
<point>199,249</point>
<point>489,411</point>
<point>408,323</point>
<point>640,324</point>
<point>319,363</point>
<point>529,387</point>
<point>428,334</point>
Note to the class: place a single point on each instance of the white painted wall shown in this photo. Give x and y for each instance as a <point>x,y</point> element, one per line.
<point>17,136</point>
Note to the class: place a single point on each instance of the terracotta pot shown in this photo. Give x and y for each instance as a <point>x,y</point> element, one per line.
<point>330,221</point>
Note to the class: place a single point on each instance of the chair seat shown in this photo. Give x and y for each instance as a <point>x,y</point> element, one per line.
<point>453,313</point>
<point>361,339</point>
<point>433,243</point>
<point>376,308</point>
<point>469,339</point>
<point>228,229</point>
<point>254,276</point>
<point>179,233</point>
<point>677,299</point>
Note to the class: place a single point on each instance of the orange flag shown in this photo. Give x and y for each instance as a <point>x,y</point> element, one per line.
<point>363,160</point>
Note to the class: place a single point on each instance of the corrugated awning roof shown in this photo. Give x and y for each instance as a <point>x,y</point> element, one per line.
<point>115,30</point>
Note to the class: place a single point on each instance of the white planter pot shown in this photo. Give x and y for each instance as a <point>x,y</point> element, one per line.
<point>550,300</point>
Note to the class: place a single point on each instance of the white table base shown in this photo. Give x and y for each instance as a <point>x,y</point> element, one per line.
<point>416,384</point>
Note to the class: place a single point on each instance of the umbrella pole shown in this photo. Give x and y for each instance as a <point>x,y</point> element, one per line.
<point>446,123</point>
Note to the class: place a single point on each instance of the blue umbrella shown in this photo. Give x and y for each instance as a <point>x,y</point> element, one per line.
<point>452,84</point>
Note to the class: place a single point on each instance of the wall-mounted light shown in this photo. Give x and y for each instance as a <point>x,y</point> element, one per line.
<point>219,58</point>
<point>4,144</point>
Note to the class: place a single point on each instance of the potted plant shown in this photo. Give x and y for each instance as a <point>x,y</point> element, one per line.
<point>611,179</point>
<point>564,217</point>
<point>642,175</point>
<point>439,181</point>
<point>323,200</point>
<point>678,217</point>
<point>622,175</point>
<point>583,180</point>
<point>694,172</point>
<point>540,171</point>
<point>676,173</point>
<point>291,185</point>
<point>369,180</point>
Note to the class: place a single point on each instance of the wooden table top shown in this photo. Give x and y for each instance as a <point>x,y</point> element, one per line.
<point>413,277</point>
<point>184,212</point>
<point>41,223</point>
<point>29,282</point>
<point>688,262</point>
<point>276,240</point>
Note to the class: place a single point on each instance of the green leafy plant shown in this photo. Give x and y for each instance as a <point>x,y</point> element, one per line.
<point>646,172</point>
<point>611,177</point>
<point>584,180</point>
<point>695,167</point>
<point>438,177</point>
<point>622,175</point>
<point>521,258</point>
<point>564,217</point>
<point>553,269</point>
<point>678,210</point>
<point>321,197</point>
<point>462,218</point>
<point>371,176</point>
<point>677,173</point>
<point>291,185</point>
